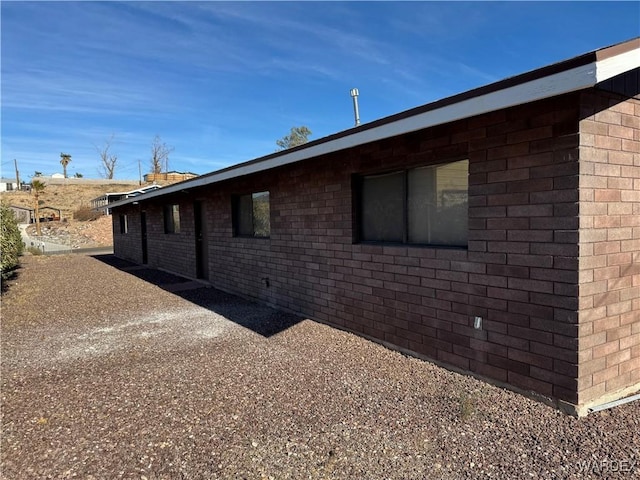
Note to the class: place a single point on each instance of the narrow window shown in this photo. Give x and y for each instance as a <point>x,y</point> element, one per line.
<point>124,224</point>
<point>172,218</point>
<point>424,206</point>
<point>251,215</point>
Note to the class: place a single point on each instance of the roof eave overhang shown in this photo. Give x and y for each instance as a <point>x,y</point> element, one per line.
<point>583,72</point>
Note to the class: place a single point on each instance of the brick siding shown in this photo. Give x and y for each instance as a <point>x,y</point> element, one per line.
<point>609,343</point>
<point>127,245</point>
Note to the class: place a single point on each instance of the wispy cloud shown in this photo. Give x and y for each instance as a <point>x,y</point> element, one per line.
<point>55,91</point>
<point>222,81</point>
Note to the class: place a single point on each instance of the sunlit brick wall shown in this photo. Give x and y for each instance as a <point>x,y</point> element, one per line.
<point>609,245</point>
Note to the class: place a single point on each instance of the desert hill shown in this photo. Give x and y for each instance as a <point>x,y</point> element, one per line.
<point>71,196</point>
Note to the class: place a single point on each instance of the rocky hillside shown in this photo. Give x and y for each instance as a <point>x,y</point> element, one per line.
<point>69,198</point>
<point>95,233</point>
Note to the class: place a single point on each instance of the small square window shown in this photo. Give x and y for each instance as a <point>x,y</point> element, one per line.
<point>172,218</point>
<point>251,215</point>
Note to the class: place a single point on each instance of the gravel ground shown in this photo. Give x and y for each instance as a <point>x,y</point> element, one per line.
<point>107,374</point>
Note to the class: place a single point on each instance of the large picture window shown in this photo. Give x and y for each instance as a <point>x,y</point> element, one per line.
<point>251,215</point>
<point>172,218</point>
<point>426,205</point>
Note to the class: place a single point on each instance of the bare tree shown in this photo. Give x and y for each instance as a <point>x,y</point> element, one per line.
<point>65,159</point>
<point>108,160</point>
<point>159,155</point>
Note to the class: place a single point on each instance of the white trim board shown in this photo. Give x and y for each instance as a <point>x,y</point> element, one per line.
<point>614,66</point>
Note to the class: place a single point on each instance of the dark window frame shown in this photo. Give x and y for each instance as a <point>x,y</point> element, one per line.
<point>237,202</point>
<point>124,224</point>
<point>357,206</point>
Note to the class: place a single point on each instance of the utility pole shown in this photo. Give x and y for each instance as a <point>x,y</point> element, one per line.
<point>15,162</point>
<point>139,173</point>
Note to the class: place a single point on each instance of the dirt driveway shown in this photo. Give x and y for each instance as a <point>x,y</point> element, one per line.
<point>113,371</point>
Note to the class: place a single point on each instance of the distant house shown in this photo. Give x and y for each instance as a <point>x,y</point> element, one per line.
<point>27,215</point>
<point>49,214</point>
<point>496,232</point>
<point>101,203</point>
<point>171,177</point>
<point>8,184</point>
<point>23,214</point>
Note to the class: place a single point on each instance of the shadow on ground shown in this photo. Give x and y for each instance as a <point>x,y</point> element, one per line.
<point>8,278</point>
<point>261,319</point>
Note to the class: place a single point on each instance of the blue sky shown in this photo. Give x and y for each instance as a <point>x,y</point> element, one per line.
<point>221,82</point>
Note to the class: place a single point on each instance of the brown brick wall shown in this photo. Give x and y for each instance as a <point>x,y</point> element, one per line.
<point>523,239</point>
<point>174,252</point>
<point>609,345</point>
<point>519,273</point>
<point>127,245</point>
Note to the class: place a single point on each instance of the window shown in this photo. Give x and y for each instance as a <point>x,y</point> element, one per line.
<point>172,218</point>
<point>426,205</point>
<point>251,215</point>
<point>124,224</point>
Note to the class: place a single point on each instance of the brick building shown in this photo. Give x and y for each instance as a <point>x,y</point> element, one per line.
<point>496,232</point>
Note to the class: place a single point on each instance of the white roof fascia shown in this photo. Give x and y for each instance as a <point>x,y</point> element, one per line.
<point>578,78</point>
<point>614,66</point>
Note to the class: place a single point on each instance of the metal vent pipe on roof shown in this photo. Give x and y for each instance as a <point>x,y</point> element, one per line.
<point>356,113</point>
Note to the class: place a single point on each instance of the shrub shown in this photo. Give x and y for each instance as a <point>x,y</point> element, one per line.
<point>86,214</point>
<point>11,241</point>
<point>467,406</point>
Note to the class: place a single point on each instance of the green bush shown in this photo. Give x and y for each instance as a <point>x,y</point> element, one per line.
<point>11,246</point>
